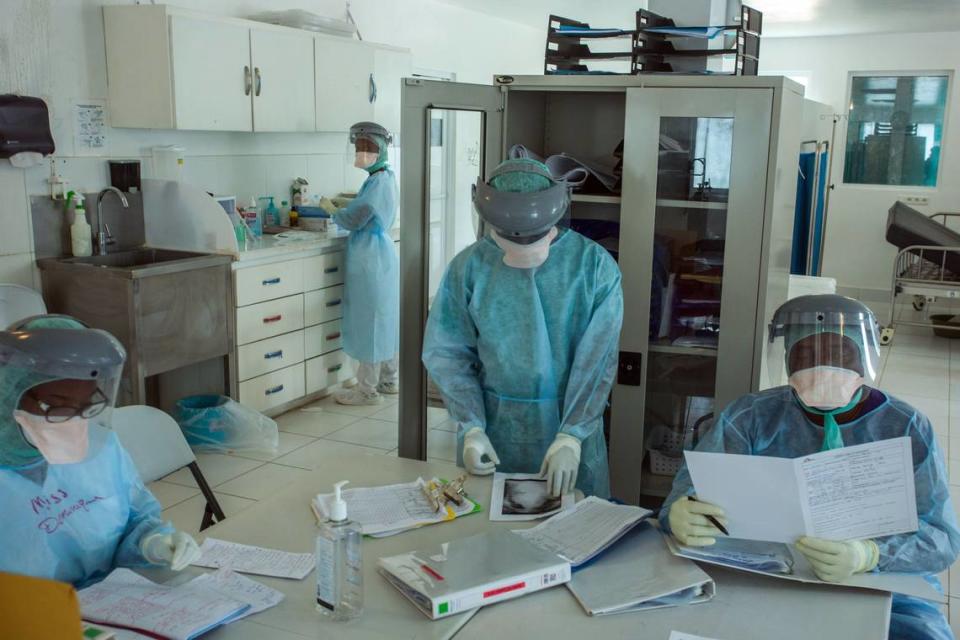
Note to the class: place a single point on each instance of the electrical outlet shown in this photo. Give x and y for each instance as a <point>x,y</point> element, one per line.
<point>915,201</point>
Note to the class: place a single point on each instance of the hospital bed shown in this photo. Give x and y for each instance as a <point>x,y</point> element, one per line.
<point>927,265</point>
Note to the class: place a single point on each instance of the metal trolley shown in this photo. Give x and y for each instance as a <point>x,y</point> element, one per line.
<point>920,271</point>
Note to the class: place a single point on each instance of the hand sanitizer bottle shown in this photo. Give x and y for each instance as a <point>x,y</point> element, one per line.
<point>339,563</point>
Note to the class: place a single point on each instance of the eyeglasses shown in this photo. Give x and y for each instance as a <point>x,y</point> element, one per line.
<point>63,412</point>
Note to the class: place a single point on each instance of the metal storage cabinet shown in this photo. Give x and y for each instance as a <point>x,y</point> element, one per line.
<point>705,218</point>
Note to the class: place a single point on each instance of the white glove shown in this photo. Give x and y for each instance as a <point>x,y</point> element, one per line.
<point>560,465</point>
<point>176,550</point>
<point>835,561</point>
<point>476,445</point>
<point>689,523</point>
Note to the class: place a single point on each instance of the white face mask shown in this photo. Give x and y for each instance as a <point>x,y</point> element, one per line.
<point>60,442</point>
<point>525,256</point>
<point>364,159</point>
<point>825,387</point>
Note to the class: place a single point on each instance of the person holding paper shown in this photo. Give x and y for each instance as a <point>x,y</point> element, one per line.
<point>522,337</point>
<point>829,347</point>
<point>73,504</point>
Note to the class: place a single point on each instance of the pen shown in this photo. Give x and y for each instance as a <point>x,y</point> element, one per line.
<point>712,520</point>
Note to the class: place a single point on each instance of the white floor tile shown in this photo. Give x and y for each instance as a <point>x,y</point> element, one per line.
<point>169,494</point>
<point>388,414</point>
<point>449,425</point>
<point>369,433</point>
<point>926,386</point>
<point>924,343</point>
<point>937,410</point>
<point>314,455</point>
<point>288,442</point>
<point>330,405</point>
<point>442,445</point>
<point>314,423</point>
<point>188,515</point>
<point>395,453</point>
<point>955,616</point>
<point>437,416</point>
<point>217,469</point>
<point>263,482</point>
<point>953,470</point>
<point>926,364</point>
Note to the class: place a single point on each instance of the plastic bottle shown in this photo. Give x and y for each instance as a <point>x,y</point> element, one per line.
<point>339,563</point>
<point>272,213</point>
<point>252,217</point>
<point>81,235</point>
<point>284,214</point>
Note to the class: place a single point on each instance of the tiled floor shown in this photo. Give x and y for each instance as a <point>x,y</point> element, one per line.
<point>918,367</point>
<point>307,437</point>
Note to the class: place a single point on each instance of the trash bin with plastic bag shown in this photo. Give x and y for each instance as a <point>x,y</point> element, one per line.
<point>214,423</point>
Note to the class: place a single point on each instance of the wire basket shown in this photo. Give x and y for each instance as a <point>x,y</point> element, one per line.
<point>665,446</point>
<point>664,464</point>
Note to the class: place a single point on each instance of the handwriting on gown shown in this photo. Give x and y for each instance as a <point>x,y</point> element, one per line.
<point>45,503</point>
<point>52,523</point>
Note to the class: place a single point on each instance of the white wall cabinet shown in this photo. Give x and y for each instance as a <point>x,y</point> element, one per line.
<point>344,83</point>
<point>172,68</point>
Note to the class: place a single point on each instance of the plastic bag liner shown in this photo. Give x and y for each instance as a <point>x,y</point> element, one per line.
<point>217,424</point>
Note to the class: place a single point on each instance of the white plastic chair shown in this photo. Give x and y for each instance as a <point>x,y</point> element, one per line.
<point>18,303</point>
<point>155,442</point>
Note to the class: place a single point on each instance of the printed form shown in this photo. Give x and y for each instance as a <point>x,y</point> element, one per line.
<point>863,491</point>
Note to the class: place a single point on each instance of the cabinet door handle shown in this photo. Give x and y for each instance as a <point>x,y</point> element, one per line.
<point>335,368</point>
<point>259,81</point>
<point>331,269</point>
<point>247,81</point>
<point>334,303</point>
<point>276,318</point>
<point>273,390</point>
<point>273,354</point>
<point>333,336</point>
<point>271,281</point>
<point>373,89</point>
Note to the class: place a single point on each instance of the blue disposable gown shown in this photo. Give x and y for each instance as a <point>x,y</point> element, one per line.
<point>76,522</point>
<point>771,423</point>
<point>528,353</point>
<point>371,293</point>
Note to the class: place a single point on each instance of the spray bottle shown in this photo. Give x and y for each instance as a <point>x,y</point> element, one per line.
<point>339,563</point>
<point>81,235</point>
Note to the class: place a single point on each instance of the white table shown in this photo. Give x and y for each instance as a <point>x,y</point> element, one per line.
<point>745,606</point>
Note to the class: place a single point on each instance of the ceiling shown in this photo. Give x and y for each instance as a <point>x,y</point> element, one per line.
<point>782,18</point>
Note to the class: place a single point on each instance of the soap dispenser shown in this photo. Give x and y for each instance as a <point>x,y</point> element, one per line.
<point>339,563</point>
<point>81,235</point>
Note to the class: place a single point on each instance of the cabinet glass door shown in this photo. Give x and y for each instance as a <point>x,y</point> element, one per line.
<point>695,179</point>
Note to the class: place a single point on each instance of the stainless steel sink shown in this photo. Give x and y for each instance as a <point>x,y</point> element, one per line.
<point>137,263</point>
<point>134,258</point>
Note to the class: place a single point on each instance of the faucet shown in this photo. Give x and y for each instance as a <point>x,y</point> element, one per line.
<point>104,237</point>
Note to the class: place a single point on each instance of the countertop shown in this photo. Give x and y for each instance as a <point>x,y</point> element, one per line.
<point>271,249</point>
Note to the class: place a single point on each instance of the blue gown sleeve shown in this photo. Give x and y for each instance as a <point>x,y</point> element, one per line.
<point>935,544</point>
<point>373,198</point>
<point>450,350</point>
<point>144,516</point>
<point>595,359</point>
<point>723,437</point>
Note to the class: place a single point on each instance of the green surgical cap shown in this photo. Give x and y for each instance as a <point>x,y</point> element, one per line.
<point>521,181</point>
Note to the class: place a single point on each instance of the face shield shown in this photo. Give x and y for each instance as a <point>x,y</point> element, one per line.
<point>521,201</point>
<point>825,333</point>
<point>369,147</point>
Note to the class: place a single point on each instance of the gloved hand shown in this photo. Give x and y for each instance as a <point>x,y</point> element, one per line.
<point>176,550</point>
<point>689,523</point>
<point>476,445</point>
<point>835,561</point>
<point>560,464</point>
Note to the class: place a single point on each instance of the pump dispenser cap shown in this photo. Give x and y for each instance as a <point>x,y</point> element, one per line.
<point>338,508</point>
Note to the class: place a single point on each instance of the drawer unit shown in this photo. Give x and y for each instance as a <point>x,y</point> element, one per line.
<point>322,338</point>
<point>323,305</point>
<point>322,271</point>
<point>273,389</point>
<point>268,319</point>
<point>258,358</point>
<point>268,282</point>
<point>327,370</point>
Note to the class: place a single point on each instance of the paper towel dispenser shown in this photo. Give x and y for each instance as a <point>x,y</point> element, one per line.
<point>24,127</point>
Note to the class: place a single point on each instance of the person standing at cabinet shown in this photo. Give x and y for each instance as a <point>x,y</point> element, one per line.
<point>371,302</point>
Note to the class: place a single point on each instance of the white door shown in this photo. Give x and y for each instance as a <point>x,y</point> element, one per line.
<point>389,69</point>
<point>283,90</point>
<point>344,73</point>
<point>212,77</point>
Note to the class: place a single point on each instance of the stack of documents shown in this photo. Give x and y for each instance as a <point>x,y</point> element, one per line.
<point>586,529</point>
<point>127,600</point>
<point>394,508</point>
<point>464,574</point>
<point>257,560</point>
<point>639,573</point>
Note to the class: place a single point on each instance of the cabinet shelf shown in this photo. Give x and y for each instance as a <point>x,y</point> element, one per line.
<point>690,204</point>
<point>596,199</point>
<point>683,351</point>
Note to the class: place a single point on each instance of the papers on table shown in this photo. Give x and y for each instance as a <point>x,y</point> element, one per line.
<point>394,508</point>
<point>639,573</point>
<point>863,491</point>
<point>258,560</point>
<point>517,497</point>
<point>237,587</point>
<point>126,599</point>
<point>585,530</point>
